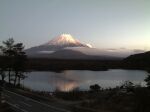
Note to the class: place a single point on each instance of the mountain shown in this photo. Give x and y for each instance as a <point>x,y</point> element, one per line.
<point>138,61</point>
<point>57,43</point>
<point>66,47</point>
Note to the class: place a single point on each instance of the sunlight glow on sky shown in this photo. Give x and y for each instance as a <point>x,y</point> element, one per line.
<point>104,24</point>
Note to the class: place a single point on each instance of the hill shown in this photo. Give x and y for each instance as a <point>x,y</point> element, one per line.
<point>137,61</point>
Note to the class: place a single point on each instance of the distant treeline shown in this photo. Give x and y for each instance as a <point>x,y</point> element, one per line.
<point>138,61</point>
<point>57,64</point>
<point>45,64</point>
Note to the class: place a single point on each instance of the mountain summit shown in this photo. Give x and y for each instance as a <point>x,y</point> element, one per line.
<point>66,40</point>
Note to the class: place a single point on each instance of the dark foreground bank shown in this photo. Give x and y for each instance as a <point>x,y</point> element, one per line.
<point>124,98</point>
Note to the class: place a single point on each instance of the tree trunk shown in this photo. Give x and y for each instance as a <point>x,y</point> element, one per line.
<point>9,70</point>
<point>19,77</point>
<point>3,78</point>
<point>16,73</point>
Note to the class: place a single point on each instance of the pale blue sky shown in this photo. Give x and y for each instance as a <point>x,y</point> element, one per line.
<point>102,23</point>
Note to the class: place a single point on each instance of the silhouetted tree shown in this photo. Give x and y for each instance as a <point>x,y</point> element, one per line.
<point>147,80</point>
<point>8,52</point>
<point>95,87</point>
<point>19,62</point>
<point>2,74</point>
<point>14,60</point>
<point>127,85</point>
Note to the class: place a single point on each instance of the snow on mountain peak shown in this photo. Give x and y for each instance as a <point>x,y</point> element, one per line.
<point>66,40</point>
<point>63,39</point>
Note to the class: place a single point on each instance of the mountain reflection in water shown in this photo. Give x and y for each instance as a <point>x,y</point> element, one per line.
<point>64,82</point>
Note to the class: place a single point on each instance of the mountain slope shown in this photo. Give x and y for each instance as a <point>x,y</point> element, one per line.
<point>141,60</point>
<point>60,54</point>
<point>71,54</point>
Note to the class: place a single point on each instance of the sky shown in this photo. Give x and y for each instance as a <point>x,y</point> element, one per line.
<point>105,24</point>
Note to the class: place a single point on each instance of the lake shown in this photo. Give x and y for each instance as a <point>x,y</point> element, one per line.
<point>81,79</point>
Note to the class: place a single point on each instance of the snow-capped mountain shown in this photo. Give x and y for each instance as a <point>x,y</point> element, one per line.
<point>66,47</point>
<point>65,40</point>
<point>57,43</point>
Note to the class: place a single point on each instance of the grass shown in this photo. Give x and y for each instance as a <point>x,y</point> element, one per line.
<point>115,101</point>
<point>135,99</point>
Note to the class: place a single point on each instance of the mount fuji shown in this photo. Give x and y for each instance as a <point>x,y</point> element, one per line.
<point>57,43</point>
<point>66,40</point>
<point>66,47</point>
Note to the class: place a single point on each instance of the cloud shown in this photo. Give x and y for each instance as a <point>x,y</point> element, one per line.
<point>89,45</point>
<point>112,49</point>
<point>138,50</point>
<point>46,52</point>
<point>123,48</point>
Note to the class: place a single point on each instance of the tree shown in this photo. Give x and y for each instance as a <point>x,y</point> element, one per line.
<point>3,70</point>
<point>8,52</point>
<point>14,60</point>
<point>147,80</point>
<point>19,62</point>
<point>95,87</point>
<point>2,74</point>
<point>128,86</point>
<point>8,47</point>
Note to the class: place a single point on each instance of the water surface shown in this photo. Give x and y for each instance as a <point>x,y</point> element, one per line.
<point>82,79</point>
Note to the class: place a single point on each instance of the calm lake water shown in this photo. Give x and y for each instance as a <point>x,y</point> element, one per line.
<point>82,79</point>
